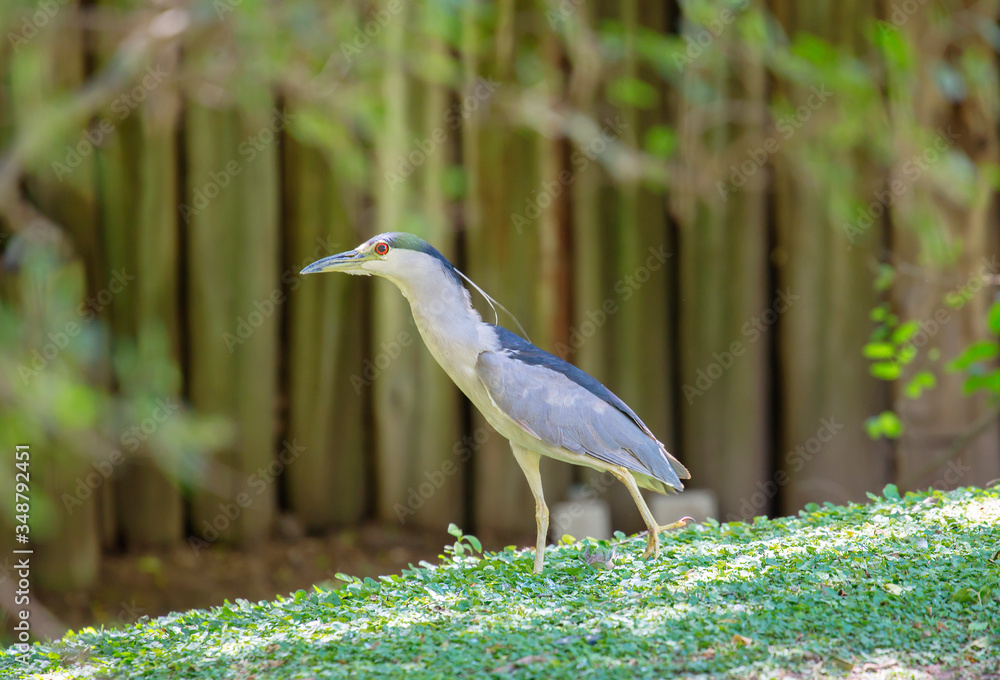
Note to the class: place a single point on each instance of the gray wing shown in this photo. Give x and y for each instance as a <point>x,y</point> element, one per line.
<point>565,407</point>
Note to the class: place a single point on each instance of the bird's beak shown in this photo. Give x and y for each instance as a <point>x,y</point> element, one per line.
<point>342,262</point>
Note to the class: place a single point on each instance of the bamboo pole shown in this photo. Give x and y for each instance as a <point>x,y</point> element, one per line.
<point>931,452</point>
<point>211,268</point>
<point>256,237</point>
<point>326,487</point>
<point>137,182</point>
<point>501,168</point>
<point>637,293</point>
<point>440,432</point>
<point>827,392</point>
<point>152,502</point>
<point>415,426</point>
<point>723,239</point>
<point>51,64</point>
<point>234,306</point>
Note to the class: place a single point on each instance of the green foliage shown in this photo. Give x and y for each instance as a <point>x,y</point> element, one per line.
<point>463,544</point>
<point>828,591</point>
<point>55,386</point>
<point>885,424</point>
<point>891,348</point>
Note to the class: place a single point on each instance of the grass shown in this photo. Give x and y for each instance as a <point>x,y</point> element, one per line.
<point>898,588</point>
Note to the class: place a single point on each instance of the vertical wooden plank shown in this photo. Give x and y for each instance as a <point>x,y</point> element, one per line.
<point>487,254</point>
<point>636,290</point>
<point>118,190</point>
<point>440,432</point>
<point>209,213</point>
<point>312,352</point>
<point>827,392</point>
<point>588,345</point>
<point>723,272</point>
<point>551,292</point>
<point>394,392</point>
<point>151,500</point>
<point>232,211</point>
<point>52,63</point>
<point>415,423</point>
<point>351,470</point>
<point>327,486</point>
<point>255,238</point>
<point>937,422</point>
<point>506,234</point>
<point>594,330</point>
<point>137,183</point>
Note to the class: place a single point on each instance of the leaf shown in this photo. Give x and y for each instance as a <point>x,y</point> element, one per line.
<point>977,351</point>
<point>894,47</point>
<point>842,664</point>
<point>741,640</point>
<point>632,91</point>
<point>907,353</point>
<point>661,141</point>
<point>979,643</point>
<point>905,331</point>
<point>883,280</point>
<point>965,595</point>
<point>885,370</point>
<point>990,381</point>
<point>894,589</point>
<point>872,427</point>
<point>454,530</point>
<point>994,318</point>
<point>924,380</point>
<point>891,492</point>
<point>878,350</point>
<point>890,425</point>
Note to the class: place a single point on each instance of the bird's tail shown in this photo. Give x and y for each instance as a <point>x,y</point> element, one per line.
<point>678,467</point>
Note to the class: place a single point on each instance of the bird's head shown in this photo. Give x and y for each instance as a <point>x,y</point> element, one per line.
<point>398,256</point>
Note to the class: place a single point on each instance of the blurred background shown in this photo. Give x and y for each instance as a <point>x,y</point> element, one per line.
<point>770,227</point>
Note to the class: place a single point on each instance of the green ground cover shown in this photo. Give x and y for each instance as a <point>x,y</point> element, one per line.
<point>897,588</point>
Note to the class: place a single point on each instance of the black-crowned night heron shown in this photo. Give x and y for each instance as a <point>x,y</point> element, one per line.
<point>542,404</point>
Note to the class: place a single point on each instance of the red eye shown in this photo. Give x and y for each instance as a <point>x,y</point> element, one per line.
<point>381,248</point>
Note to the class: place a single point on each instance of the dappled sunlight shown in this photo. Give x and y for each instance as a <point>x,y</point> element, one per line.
<point>855,589</point>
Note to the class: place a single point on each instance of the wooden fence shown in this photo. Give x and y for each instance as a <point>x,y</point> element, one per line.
<point>732,319</point>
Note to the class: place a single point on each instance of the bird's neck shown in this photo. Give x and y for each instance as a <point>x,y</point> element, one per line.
<point>448,323</point>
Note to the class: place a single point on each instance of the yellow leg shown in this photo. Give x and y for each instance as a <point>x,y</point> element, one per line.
<point>528,460</point>
<point>653,544</point>
<point>626,478</point>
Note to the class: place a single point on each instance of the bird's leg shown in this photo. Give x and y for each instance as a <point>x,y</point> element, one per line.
<point>653,543</point>
<point>528,460</point>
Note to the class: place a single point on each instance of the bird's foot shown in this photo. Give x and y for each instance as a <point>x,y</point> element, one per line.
<point>652,545</point>
<point>678,524</point>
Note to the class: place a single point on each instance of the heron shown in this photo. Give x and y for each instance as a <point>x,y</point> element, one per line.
<point>543,405</point>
